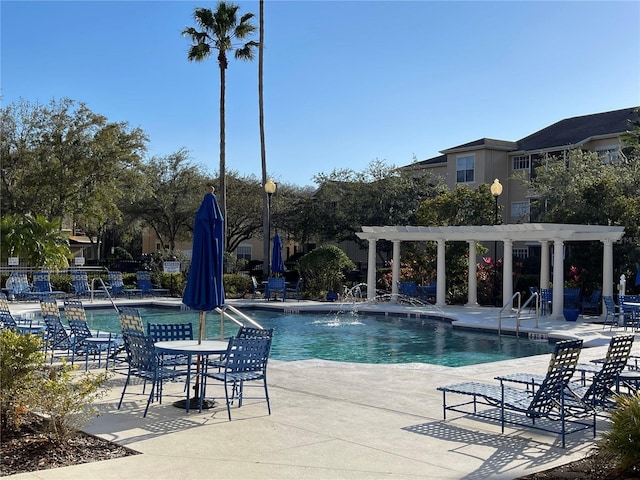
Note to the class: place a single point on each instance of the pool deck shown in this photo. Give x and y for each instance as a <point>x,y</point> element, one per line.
<point>335,420</point>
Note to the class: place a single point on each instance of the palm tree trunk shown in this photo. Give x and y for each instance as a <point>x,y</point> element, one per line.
<point>223,179</point>
<point>263,152</point>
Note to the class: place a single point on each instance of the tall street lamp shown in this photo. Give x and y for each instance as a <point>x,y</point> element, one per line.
<point>496,191</point>
<point>269,189</point>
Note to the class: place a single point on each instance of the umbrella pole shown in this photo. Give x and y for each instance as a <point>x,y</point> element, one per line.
<point>221,324</point>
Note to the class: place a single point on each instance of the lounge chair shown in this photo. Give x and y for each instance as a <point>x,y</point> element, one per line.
<point>18,287</point>
<point>130,319</point>
<point>542,409</point>
<point>116,286</point>
<point>597,390</point>
<point>56,336</point>
<point>81,288</point>
<point>145,286</point>
<point>42,287</point>
<point>82,339</point>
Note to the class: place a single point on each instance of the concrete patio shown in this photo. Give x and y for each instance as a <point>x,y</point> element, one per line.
<point>337,420</point>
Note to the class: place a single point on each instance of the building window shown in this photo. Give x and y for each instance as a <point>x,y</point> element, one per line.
<point>521,252</point>
<point>520,209</point>
<point>522,162</point>
<point>608,155</point>
<point>465,167</point>
<point>243,252</point>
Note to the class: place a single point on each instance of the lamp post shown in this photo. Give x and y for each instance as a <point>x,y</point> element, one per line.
<point>269,189</point>
<point>496,191</point>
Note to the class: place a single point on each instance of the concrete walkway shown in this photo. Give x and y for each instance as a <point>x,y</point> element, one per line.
<point>336,421</point>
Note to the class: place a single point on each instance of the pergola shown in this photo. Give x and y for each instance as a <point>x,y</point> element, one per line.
<point>544,233</point>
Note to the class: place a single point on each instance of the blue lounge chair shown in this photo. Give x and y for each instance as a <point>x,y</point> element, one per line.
<point>598,390</point>
<point>42,288</point>
<point>18,287</point>
<point>552,399</point>
<point>117,288</point>
<point>145,286</point>
<point>81,288</point>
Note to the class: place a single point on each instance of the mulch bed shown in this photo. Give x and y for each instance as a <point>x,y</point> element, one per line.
<point>29,450</point>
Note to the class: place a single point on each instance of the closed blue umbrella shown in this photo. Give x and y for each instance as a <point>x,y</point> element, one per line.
<point>204,290</point>
<point>638,274</point>
<point>277,264</point>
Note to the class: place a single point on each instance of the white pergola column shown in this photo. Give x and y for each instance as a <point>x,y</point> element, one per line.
<point>395,270</point>
<point>441,276</point>
<point>544,264</point>
<point>558,279</point>
<point>472,283</point>
<point>371,270</point>
<point>507,272</point>
<point>607,269</point>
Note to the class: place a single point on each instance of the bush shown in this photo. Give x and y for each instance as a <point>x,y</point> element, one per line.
<point>623,440</point>
<point>67,400</point>
<point>237,285</point>
<point>324,269</point>
<point>20,358</point>
<point>28,385</point>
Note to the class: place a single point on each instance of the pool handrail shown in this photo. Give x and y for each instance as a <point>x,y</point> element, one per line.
<point>223,311</point>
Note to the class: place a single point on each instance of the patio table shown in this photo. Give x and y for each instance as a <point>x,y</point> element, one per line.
<point>190,348</point>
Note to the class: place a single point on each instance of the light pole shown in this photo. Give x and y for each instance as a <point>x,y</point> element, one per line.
<point>496,191</point>
<point>269,188</point>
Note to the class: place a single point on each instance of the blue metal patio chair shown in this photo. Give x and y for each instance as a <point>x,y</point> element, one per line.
<point>612,312</point>
<point>592,304</point>
<point>245,361</point>
<point>82,339</point>
<point>521,407</point>
<point>143,362</point>
<point>56,336</point>
<point>275,286</point>
<point>294,289</point>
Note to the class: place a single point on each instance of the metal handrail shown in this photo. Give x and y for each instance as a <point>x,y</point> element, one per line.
<point>510,305</point>
<point>224,314</point>
<point>106,291</point>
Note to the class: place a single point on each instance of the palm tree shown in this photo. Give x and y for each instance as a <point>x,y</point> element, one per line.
<point>263,151</point>
<point>217,30</point>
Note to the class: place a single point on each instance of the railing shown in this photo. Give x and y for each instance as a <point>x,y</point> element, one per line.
<point>225,314</point>
<point>106,291</point>
<point>509,305</point>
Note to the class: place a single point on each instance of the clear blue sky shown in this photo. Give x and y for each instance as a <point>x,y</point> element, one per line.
<point>345,82</point>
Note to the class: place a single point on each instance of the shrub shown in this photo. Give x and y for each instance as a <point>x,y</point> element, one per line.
<point>237,285</point>
<point>623,440</point>
<point>324,269</point>
<point>66,399</point>
<point>20,358</point>
<point>28,385</point>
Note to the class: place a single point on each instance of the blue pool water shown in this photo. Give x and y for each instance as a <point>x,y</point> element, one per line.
<point>351,337</point>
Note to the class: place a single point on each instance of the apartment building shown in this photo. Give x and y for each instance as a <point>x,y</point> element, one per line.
<point>483,160</point>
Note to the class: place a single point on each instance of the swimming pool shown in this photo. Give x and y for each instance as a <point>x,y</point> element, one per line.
<point>353,337</point>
